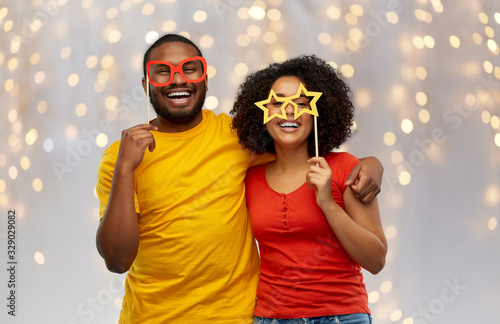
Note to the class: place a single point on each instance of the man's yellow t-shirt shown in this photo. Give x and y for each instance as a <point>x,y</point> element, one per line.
<point>197,260</point>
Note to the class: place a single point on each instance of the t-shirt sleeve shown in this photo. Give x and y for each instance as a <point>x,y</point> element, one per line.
<point>104,180</point>
<point>342,167</point>
<point>260,159</point>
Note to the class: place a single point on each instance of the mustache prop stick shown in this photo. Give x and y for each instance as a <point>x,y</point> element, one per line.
<point>296,113</point>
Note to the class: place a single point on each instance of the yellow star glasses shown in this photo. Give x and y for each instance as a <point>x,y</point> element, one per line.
<point>284,101</point>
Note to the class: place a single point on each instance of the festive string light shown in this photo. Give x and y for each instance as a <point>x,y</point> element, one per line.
<point>59,97</point>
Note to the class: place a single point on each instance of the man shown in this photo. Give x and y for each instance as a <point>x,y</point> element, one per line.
<point>173,209</point>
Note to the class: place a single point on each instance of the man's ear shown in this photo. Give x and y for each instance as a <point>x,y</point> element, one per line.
<point>144,84</point>
<point>206,83</point>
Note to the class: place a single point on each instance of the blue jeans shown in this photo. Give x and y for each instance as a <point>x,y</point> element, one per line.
<point>358,318</point>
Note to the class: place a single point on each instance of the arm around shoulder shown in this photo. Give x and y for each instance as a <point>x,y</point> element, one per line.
<point>365,179</point>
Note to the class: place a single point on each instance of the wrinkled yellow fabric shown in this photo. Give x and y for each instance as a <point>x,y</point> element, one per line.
<point>197,260</point>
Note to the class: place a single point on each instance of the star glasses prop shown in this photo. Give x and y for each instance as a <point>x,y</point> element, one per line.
<point>161,73</point>
<point>296,113</point>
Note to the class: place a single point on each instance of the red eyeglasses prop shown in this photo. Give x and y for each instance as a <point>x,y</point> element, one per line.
<point>192,70</point>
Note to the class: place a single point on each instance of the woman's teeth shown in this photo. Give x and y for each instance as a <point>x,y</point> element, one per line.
<point>289,124</point>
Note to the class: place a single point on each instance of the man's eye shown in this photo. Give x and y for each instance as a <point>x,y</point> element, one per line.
<point>163,70</point>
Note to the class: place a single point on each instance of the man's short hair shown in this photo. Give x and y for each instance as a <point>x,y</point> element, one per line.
<point>168,38</point>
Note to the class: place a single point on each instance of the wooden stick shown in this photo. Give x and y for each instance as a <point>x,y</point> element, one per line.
<point>316,135</point>
<point>147,97</point>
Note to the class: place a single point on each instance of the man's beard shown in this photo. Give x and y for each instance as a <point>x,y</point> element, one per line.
<point>179,116</point>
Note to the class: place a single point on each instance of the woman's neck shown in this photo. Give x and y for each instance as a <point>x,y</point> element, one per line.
<point>291,161</point>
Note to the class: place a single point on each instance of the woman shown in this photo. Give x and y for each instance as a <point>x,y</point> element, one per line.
<point>313,234</point>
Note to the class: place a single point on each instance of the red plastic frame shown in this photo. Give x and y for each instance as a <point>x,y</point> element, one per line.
<point>178,68</point>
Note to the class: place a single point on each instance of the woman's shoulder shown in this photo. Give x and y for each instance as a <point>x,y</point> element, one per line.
<point>257,170</point>
<point>341,158</point>
<point>341,164</point>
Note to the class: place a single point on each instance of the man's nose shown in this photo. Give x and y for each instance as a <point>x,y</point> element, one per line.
<point>178,79</point>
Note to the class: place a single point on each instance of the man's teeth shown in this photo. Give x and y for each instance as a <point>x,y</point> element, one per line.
<point>289,124</point>
<point>178,94</point>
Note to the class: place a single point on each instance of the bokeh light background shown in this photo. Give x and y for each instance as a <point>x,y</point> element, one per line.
<point>425,77</point>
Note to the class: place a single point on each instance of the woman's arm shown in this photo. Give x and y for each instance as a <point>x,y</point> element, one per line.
<point>358,228</point>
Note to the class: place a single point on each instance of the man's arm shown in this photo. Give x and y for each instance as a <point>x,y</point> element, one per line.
<point>365,179</point>
<point>117,237</point>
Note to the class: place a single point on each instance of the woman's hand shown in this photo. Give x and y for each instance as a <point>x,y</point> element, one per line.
<point>320,178</point>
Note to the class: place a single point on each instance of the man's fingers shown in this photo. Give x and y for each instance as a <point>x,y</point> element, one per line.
<point>136,132</point>
<point>147,127</point>
<point>139,132</point>
<point>140,136</point>
<point>152,146</point>
<point>371,191</point>
<point>353,175</point>
<point>368,198</point>
<point>147,140</point>
<point>360,188</point>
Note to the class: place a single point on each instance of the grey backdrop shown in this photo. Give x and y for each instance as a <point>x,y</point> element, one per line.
<point>425,78</point>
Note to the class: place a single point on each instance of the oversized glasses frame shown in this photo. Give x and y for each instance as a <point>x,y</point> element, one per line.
<point>175,69</point>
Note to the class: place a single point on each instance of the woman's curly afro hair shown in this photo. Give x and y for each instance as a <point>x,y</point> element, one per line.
<point>335,108</point>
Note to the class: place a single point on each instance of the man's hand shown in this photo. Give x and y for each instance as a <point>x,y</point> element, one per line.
<point>365,179</point>
<point>133,145</point>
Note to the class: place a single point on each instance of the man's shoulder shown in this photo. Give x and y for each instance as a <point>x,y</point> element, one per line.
<point>221,117</point>
<point>341,157</point>
<point>220,121</point>
<point>113,149</point>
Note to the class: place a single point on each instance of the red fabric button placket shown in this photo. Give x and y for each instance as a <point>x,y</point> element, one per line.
<point>285,210</point>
